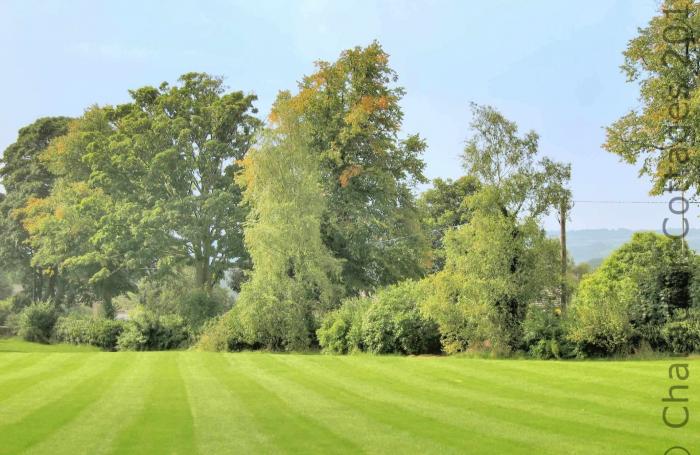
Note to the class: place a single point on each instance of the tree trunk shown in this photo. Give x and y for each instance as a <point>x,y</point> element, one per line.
<point>107,305</point>
<point>564,259</point>
<point>202,273</point>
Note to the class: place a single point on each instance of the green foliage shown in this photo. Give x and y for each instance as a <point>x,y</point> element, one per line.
<point>179,294</point>
<point>65,234</point>
<point>149,332</point>
<point>293,279</point>
<point>198,306</point>
<point>393,322</point>
<point>24,177</point>
<point>599,315</point>
<point>631,298</point>
<point>99,332</point>
<point>682,333</point>
<point>132,339</point>
<point>5,310</point>
<point>223,333</point>
<point>36,321</point>
<point>661,134</point>
<point>388,322</point>
<point>5,286</point>
<point>159,172</point>
<point>495,269</point>
<point>351,110</point>
<point>544,333</point>
<point>501,262</point>
<point>445,206</point>
<point>341,329</point>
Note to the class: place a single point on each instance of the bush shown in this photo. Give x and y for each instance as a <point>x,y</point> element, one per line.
<point>600,316</point>
<point>199,306</point>
<point>102,333</point>
<point>5,310</point>
<point>393,322</point>
<point>132,339</point>
<point>543,333</point>
<point>36,322</point>
<point>464,323</point>
<point>179,294</point>
<point>341,329</point>
<point>224,333</point>
<point>20,302</point>
<point>682,334</point>
<point>149,332</point>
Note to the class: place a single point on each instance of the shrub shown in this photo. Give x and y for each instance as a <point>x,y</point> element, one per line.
<point>199,306</point>
<point>341,329</point>
<point>5,310</point>
<point>20,302</point>
<point>543,333</point>
<point>393,322</point>
<point>223,333</point>
<point>682,334</point>
<point>102,333</point>
<point>464,323</point>
<point>599,316</point>
<point>149,332</point>
<point>37,321</point>
<point>132,339</point>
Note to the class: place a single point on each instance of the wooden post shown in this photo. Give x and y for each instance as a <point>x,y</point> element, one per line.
<point>562,240</point>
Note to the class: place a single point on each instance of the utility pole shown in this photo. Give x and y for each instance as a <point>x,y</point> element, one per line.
<point>563,214</point>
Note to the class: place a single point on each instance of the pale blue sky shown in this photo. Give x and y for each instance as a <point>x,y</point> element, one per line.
<point>552,66</point>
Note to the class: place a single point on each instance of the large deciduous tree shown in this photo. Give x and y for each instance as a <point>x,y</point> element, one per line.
<point>351,110</point>
<point>24,176</point>
<point>662,132</point>
<point>167,162</point>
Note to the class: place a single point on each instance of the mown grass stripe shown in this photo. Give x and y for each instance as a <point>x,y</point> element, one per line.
<point>402,413</point>
<point>287,430</point>
<point>37,374</point>
<point>222,423</point>
<point>47,419</point>
<point>605,409</point>
<point>164,426</point>
<point>21,404</point>
<point>31,364</point>
<point>10,361</point>
<point>93,431</point>
<point>371,435</point>
<point>564,426</point>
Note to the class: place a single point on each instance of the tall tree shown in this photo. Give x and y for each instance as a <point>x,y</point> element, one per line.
<point>171,155</point>
<point>351,109</point>
<point>25,176</point>
<point>663,133</point>
<point>294,274</point>
<point>501,261</point>
<point>66,231</point>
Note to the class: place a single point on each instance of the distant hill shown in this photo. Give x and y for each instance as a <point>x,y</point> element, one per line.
<point>594,245</point>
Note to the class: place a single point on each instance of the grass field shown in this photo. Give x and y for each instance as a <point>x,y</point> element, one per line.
<point>198,403</point>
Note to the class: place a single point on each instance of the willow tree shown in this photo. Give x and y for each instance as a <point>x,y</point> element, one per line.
<point>294,274</point>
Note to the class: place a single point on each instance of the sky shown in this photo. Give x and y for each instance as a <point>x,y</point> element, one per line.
<point>551,66</point>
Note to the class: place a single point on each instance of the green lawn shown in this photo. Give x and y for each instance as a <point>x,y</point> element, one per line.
<point>187,402</point>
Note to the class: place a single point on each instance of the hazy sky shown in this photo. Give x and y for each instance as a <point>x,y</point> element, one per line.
<point>552,66</point>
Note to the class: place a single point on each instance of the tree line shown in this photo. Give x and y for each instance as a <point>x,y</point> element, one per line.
<point>311,216</point>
